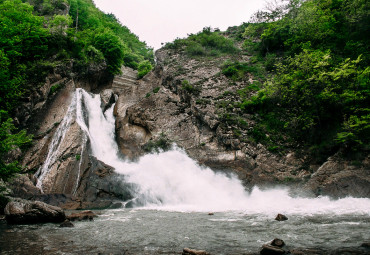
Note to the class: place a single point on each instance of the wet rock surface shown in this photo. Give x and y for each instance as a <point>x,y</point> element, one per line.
<point>268,249</point>
<point>84,215</point>
<point>32,212</point>
<point>107,99</point>
<point>281,217</point>
<point>340,178</point>
<point>187,251</point>
<point>66,224</point>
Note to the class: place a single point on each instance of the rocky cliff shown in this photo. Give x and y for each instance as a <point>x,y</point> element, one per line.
<point>181,102</point>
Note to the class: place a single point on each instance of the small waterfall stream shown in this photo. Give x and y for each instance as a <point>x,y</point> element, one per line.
<point>54,147</point>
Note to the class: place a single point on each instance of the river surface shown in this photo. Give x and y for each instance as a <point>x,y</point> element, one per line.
<point>148,231</point>
<point>173,197</point>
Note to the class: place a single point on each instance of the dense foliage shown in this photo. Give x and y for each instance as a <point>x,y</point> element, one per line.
<point>39,35</point>
<point>205,43</point>
<point>318,53</point>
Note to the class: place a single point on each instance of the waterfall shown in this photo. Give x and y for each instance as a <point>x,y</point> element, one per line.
<point>56,143</point>
<point>173,181</point>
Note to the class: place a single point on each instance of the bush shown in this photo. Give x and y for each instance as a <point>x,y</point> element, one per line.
<point>205,43</point>
<point>238,70</point>
<point>155,90</point>
<point>112,48</point>
<point>195,49</point>
<point>10,139</point>
<point>158,145</point>
<point>144,68</point>
<point>190,88</point>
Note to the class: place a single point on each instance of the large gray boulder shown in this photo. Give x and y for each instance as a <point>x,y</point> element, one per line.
<point>107,99</point>
<point>32,212</point>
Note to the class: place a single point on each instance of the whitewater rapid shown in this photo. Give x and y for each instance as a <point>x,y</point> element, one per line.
<point>172,181</point>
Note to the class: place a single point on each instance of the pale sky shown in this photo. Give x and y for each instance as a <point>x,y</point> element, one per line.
<point>161,21</point>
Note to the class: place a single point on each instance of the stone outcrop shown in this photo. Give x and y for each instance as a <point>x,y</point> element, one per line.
<point>73,180</point>
<point>159,105</point>
<point>66,224</point>
<point>268,249</point>
<point>340,178</point>
<point>107,99</point>
<point>85,215</point>
<point>281,217</point>
<point>126,82</point>
<point>31,212</point>
<point>193,117</point>
<point>22,186</point>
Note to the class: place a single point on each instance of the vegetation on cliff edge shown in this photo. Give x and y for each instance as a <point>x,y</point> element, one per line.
<point>39,36</point>
<point>318,54</point>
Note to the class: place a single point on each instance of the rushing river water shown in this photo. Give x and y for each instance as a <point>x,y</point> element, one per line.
<point>174,195</point>
<point>144,231</point>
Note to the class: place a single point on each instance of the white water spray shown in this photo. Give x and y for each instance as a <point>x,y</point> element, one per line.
<point>172,181</point>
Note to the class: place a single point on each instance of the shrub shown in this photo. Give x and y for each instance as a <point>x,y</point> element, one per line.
<point>112,48</point>
<point>144,68</point>
<point>156,90</point>
<point>158,145</point>
<point>190,88</point>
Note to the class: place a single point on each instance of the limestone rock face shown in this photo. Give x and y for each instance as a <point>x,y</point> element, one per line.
<point>72,179</point>
<point>84,215</point>
<point>340,178</point>
<point>23,187</point>
<point>26,212</point>
<point>107,99</point>
<point>158,104</point>
<point>194,119</point>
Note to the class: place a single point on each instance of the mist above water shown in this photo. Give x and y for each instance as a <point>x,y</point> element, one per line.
<point>173,181</point>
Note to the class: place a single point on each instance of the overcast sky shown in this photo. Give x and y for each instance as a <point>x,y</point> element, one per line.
<point>161,21</point>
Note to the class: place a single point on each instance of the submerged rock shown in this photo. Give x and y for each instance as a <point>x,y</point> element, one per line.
<point>277,242</point>
<point>188,251</point>
<point>366,245</point>
<point>85,215</point>
<point>32,212</point>
<point>268,249</point>
<point>281,217</point>
<point>66,224</point>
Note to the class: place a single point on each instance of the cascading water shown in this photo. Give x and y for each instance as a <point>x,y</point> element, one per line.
<point>172,181</point>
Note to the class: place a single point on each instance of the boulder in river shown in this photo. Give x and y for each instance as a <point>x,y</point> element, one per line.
<point>188,251</point>
<point>277,242</point>
<point>268,249</point>
<point>85,215</point>
<point>32,212</point>
<point>66,224</point>
<point>281,217</point>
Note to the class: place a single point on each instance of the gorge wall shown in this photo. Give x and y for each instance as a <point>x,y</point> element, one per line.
<point>162,107</point>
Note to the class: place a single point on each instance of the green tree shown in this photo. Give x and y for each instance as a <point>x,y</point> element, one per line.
<point>10,139</point>
<point>112,48</point>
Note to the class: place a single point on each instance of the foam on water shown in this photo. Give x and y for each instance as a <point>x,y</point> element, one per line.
<point>173,181</point>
